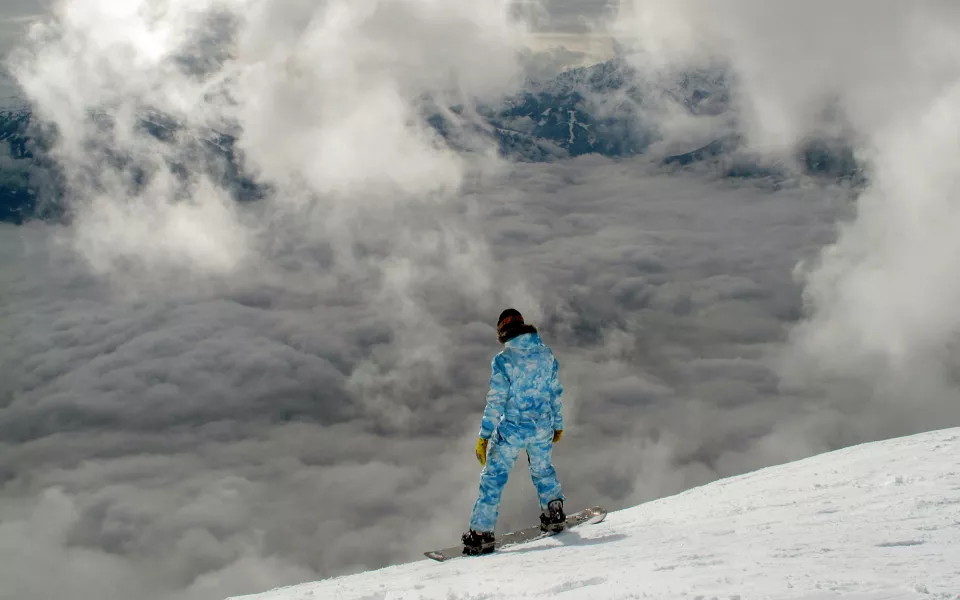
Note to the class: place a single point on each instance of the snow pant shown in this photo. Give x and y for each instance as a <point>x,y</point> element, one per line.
<point>505,446</point>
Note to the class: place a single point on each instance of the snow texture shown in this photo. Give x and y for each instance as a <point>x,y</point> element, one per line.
<point>880,520</point>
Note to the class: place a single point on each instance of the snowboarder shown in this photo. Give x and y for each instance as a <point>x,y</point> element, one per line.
<point>523,412</point>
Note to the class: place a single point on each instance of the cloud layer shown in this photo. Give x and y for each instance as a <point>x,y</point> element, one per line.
<point>296,422</point>
<point>880,323</point>
<point>202,398</point>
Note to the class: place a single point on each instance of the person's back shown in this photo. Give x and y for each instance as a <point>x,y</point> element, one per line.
<point>523,412</point>
<point>525,389</point>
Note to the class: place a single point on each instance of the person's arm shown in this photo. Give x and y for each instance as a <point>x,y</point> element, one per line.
<point>557,389</point>
<point>496,397</point>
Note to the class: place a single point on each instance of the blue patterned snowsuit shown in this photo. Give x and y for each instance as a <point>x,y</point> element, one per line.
<point>523,410</point>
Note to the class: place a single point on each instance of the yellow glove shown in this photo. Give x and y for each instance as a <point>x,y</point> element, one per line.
<point>482,450</point>
<point>557,435</point>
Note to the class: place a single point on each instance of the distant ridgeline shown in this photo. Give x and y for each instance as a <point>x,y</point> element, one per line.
<point>604,109</point>
<point>609,109</point>
<point>18,198</point>
<point>32,185</point>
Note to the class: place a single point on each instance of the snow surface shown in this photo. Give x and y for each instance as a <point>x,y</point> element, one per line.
<point>870,522</point>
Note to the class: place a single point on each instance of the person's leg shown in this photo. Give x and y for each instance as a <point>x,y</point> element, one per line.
<point>500,460</point>
<point>544,476</point>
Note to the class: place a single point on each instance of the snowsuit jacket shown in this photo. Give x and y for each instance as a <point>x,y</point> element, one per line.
<point>524,388</point>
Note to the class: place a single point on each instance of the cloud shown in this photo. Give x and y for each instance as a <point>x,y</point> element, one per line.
<point>565,16</point>
<point>286,424</point>
<point>879,320</point>
<point>13,23</point>
<point>203,398</point>
<point>15,15</point>
<point>206,355</point>
<point>328,98</point>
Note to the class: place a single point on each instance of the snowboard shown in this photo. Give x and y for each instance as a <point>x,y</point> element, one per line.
<point>588,515</point>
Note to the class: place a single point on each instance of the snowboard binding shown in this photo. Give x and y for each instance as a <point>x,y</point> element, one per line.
<point>553,519</point>
<point>476,542</point>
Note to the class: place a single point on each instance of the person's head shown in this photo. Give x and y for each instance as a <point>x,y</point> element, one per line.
<point>510,320</point>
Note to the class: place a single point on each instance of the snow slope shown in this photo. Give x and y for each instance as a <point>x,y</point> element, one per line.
<point>880,520</point>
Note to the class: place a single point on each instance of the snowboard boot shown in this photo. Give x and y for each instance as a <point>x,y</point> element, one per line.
<point>553,518</point>
<point>477,542</point>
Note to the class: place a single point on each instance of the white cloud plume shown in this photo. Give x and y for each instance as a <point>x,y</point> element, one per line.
<point>884,75</point>
<point>327,101</point>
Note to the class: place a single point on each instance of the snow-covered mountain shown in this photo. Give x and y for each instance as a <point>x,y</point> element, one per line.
<point>17,195</point>
<point>876,521</point>
<point>31,185</point>
<point>608,109</point>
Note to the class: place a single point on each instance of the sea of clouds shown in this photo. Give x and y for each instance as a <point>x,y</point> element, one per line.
<point>200,397</point>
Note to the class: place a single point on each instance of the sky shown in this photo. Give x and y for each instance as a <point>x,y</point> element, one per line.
<point>203,398</point>
<point>14,17</point>
<point>576,25</point>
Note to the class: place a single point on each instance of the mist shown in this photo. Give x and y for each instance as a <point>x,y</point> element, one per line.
<point>202,397</point>
<point>880,324</point>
